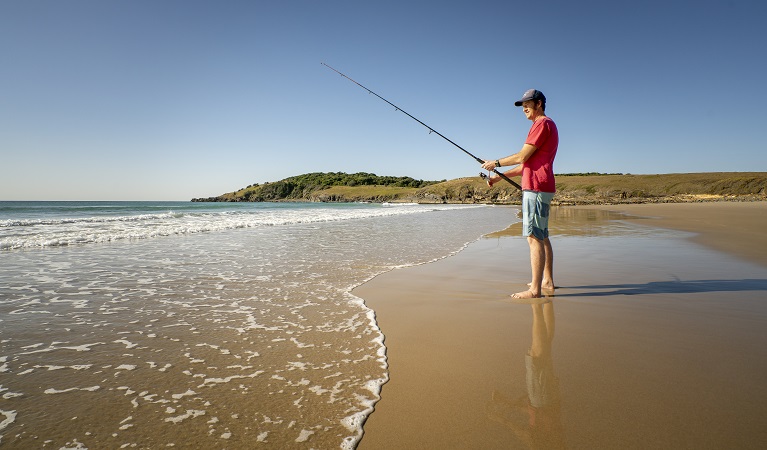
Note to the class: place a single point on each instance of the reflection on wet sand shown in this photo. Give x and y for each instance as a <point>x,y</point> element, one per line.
<point>565,221</point>
<point>535,418</point>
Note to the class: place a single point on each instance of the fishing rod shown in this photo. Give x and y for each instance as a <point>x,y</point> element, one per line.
<point>431,130</point>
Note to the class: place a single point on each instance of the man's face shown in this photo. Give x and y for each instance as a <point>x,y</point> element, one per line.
<point>530,108</point>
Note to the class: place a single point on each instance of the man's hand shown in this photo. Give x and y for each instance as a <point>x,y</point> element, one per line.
<point>492,179</point>
<point>490,165</point>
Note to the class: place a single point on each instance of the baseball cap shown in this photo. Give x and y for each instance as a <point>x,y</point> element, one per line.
<point>530,94</point>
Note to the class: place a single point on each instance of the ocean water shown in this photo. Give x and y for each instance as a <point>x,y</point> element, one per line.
<point>202,325</point>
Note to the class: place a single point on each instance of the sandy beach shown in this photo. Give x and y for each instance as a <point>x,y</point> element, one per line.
<point>655,338</point>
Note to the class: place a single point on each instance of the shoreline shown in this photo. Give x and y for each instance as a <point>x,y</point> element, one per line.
<point>639,324</point>
<point>247,334</point>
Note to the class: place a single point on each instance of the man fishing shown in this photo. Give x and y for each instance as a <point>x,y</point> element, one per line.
<point>535,163</point>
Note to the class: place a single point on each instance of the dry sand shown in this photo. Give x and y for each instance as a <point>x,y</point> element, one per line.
<point>652,341</point>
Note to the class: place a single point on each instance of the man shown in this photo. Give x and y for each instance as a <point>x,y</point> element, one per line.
<point>535,163</point>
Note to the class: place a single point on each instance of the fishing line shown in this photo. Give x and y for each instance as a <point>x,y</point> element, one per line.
<point>431,130</point>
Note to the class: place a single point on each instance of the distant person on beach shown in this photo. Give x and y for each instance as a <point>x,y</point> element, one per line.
<point>535,163</point>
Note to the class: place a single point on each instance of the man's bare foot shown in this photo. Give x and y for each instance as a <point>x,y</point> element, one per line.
<point>526,294</point>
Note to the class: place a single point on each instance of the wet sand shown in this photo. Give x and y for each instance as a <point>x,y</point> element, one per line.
<point>739,228</point>
<point>655,338</point>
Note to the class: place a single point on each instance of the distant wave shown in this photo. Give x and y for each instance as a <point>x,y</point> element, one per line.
<point>44,232</point>
<point>76,220</point>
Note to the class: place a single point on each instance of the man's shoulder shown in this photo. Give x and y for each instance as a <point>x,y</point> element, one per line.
<point>543,121</point>
<point>548,121</point>
<point>543,125</point>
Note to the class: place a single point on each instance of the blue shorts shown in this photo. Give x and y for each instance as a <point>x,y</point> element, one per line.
<point>535,213</point>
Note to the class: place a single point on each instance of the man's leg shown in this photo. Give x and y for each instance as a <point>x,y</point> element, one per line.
<point>537,264</point>
<point>548,266</point>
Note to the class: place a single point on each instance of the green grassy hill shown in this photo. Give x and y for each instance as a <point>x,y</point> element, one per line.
<point>571,189</point>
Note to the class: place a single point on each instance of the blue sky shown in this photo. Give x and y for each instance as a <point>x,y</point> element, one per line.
<point>169,100</point>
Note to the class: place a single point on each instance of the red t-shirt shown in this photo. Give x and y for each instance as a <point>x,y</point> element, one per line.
<point>538,170</point>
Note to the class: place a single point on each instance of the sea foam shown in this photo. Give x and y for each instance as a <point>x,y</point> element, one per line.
<point>254,326</point>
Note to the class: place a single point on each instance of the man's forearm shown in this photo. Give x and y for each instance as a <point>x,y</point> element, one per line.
<point>515,172</point>
<point>511,160</point>
<point>519,157</point>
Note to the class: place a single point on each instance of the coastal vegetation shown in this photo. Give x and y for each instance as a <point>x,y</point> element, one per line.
<point>582,188</point>
<point>307,186</point>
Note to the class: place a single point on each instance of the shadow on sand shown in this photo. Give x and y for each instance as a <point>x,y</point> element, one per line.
<point>670,287</point>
